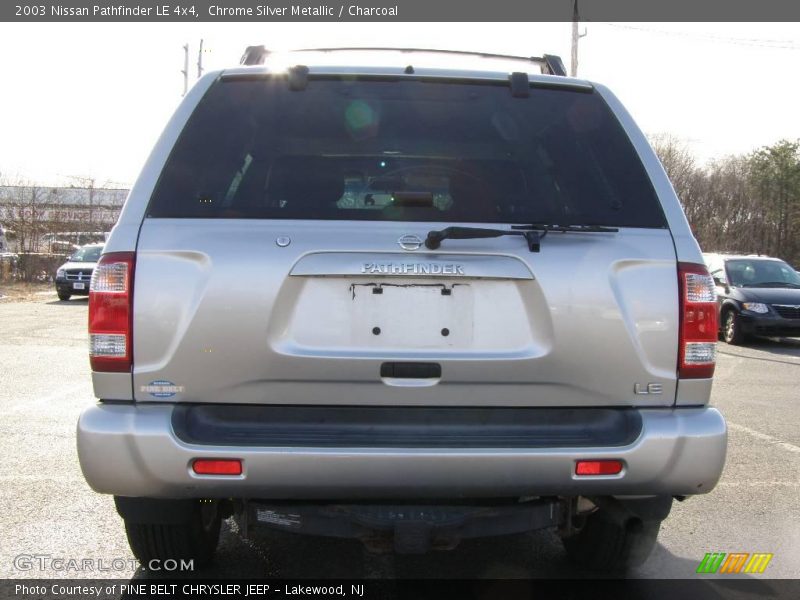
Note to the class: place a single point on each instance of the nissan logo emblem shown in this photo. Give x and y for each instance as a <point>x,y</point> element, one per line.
<point>410,242</point>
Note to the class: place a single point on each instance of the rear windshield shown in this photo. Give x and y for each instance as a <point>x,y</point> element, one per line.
<point>363,149</point>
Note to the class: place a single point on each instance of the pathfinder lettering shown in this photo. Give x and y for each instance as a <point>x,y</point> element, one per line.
<point>411,269</point>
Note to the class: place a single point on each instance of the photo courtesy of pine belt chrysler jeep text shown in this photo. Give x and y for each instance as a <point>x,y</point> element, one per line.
<point>403,296</point>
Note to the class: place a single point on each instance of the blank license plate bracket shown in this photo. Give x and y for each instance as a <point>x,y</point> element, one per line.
<point>412,315</point>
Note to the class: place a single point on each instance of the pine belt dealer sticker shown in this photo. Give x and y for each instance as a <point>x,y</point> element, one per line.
<point>162,389</point>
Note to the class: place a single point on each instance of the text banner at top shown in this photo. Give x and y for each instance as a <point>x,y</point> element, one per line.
<point>397,10</point>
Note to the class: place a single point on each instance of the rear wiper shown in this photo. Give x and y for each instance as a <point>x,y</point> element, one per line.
<point>545,227</point>
<point>533,233</point>
<point>435,238</point>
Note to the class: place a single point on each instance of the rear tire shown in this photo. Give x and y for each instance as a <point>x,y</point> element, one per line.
<point>195,539</point>
<point>732,328</point>
<point>63,296</point>
<point>602,544</point>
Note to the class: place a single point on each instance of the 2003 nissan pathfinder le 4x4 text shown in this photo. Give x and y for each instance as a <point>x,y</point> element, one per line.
<point>403,296</point>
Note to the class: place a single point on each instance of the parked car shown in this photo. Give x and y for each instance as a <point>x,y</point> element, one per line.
<point>55,241</point>
<point>74,276</point>
<point>756,295</point>
<point>375,296</point>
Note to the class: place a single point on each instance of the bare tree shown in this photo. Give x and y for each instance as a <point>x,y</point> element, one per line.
<point>23,210</point>
<point>678,161</point>
<point>729,221</point>
<point>748,203</point>
<point>687,179</point>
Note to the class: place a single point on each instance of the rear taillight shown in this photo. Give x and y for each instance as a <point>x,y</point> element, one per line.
<point>698,322</point>
<point>110,313</point>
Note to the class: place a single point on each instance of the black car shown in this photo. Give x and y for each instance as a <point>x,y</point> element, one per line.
<point>74,276</point>
<point>757,295</point>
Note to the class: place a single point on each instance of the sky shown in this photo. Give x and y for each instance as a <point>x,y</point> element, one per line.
<point>88,101</point>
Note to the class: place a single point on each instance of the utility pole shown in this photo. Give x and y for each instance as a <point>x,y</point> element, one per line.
<point>200,60</point>
<point>185,68</point>
<point>573,70</point>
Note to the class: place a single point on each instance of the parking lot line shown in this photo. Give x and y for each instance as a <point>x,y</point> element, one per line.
<point>766,437</point>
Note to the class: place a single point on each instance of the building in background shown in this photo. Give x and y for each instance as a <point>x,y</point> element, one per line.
<point>53,220</point>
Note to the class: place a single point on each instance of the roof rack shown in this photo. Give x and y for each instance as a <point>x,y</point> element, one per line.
<point>550,64</point>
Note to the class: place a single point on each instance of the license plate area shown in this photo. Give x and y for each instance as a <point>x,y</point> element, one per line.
<point>412,315</point>
<point>78,286</point>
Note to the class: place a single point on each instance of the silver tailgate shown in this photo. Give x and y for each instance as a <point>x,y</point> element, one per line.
<point>224,314</point>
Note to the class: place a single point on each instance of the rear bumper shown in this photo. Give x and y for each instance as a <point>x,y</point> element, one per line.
<point>769,325</point>
<point>130,450</point>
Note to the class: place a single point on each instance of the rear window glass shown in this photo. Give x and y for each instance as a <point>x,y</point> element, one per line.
<point>364,149</point>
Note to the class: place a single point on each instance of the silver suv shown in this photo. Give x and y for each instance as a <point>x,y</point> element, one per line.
<point>403,296</point>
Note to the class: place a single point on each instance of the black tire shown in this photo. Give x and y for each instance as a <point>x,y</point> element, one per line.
<point>732,328</point>
<point>195,540</point>
<point>602,544</point>
<point>63,296</point>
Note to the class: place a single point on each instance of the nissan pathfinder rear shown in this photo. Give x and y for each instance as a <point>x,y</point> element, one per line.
<point>408,297</point>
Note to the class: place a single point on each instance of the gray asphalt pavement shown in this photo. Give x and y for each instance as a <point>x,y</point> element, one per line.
<point>48,510</point>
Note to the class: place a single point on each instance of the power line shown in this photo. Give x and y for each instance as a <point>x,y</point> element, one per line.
<point>751,42</point>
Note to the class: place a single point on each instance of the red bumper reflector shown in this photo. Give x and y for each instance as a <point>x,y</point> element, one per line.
<point>598,467</point>
<point>217,466</point>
